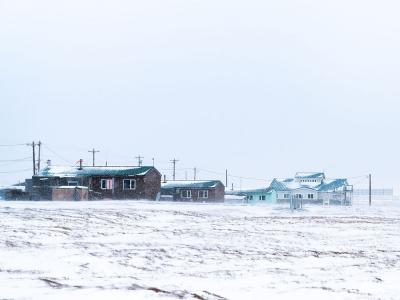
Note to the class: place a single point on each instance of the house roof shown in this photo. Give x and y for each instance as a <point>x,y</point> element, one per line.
<point>332,185</point>
<point>310,175</point>
<point>198,184</point>
<point>290,184</point>
<point>57,171</point>
<point>280,185</point>
<point>250,192</point>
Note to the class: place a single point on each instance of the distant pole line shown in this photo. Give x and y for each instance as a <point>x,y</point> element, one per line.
<point>174,161</point>
<point>93,151</point>
<point>33,158</point>
<point>140,161</point>
<point>39,158</point>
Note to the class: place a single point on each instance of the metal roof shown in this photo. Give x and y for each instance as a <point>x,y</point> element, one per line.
<point>290,185</point>
<point>279,185</point>
<point>198,184</point>
<point>55,171</point>
<point>332,185</point>
<point>309,175</point>
<point>250,192</point>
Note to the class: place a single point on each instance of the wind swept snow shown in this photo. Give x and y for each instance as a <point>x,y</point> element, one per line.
<point>147,250</point>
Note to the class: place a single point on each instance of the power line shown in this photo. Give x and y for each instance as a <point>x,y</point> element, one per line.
<point>18,159</point>
<point>59,156</point>
<point>13,145</point>
<point>13,162</point>
<point>15,171</point>
<point>234,176</point>
<point>360,181</point>
<point>364,177</point>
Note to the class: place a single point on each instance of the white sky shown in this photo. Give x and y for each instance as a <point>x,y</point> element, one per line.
<point>263,88</point>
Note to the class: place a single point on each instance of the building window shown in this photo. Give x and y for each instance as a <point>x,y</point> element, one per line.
<point>250,197</point>
<point>129,184</point>
<point>186,194</point>
<point>72,183</point>
<point>310,196</point>
<point>203,194</point>
<point>298,196</point>
<point>286,196</point>
<point>262,197</point>
<point>106,184</point>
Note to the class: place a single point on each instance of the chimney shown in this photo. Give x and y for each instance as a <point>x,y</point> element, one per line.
<point>80,164</point>
<point>48,163</point>
<point>165,178</point>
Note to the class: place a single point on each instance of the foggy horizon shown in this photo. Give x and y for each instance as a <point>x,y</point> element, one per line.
<point>262,89</point>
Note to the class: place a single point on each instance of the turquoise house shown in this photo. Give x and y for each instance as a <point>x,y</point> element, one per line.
<point>265,195</point>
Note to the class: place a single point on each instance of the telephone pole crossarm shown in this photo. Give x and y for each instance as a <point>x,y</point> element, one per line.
<point>174,161</point>
<point>93,151</point>
<point>140,160</point>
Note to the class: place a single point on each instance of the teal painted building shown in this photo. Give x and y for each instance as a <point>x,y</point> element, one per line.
<point>257,195</point>
<point>312,187</point>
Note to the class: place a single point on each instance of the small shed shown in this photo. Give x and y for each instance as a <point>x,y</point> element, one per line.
<point>70,193</point>
<point>194,191</point>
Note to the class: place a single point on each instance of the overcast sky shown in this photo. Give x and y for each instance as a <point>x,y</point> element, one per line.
<point>263,88</point>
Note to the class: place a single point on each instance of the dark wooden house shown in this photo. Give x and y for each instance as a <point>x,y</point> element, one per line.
<point>102,182</point>
<point>193,191</point>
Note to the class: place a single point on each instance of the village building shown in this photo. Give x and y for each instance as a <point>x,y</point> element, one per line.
<point>313,187</point>
<point>306,187</point>
<point>83,182</point>
<point>262,195</point>
<point>193,191</point>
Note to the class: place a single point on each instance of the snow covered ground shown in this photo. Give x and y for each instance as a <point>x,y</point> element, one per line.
<point>147,250</point>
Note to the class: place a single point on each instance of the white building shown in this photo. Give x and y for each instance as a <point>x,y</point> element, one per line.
<point>313,187</point>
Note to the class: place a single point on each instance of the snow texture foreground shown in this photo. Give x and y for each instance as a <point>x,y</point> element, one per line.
<point>144,250</point>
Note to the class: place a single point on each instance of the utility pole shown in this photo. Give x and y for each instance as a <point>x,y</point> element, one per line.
<point>194,173</point>
<point>33,158</point>
<point>226,178</point>
<point>140,161</point>
<point>93,151</point>
<point>38,165</point>
<point>174,161</point>
<point>370,189</point>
